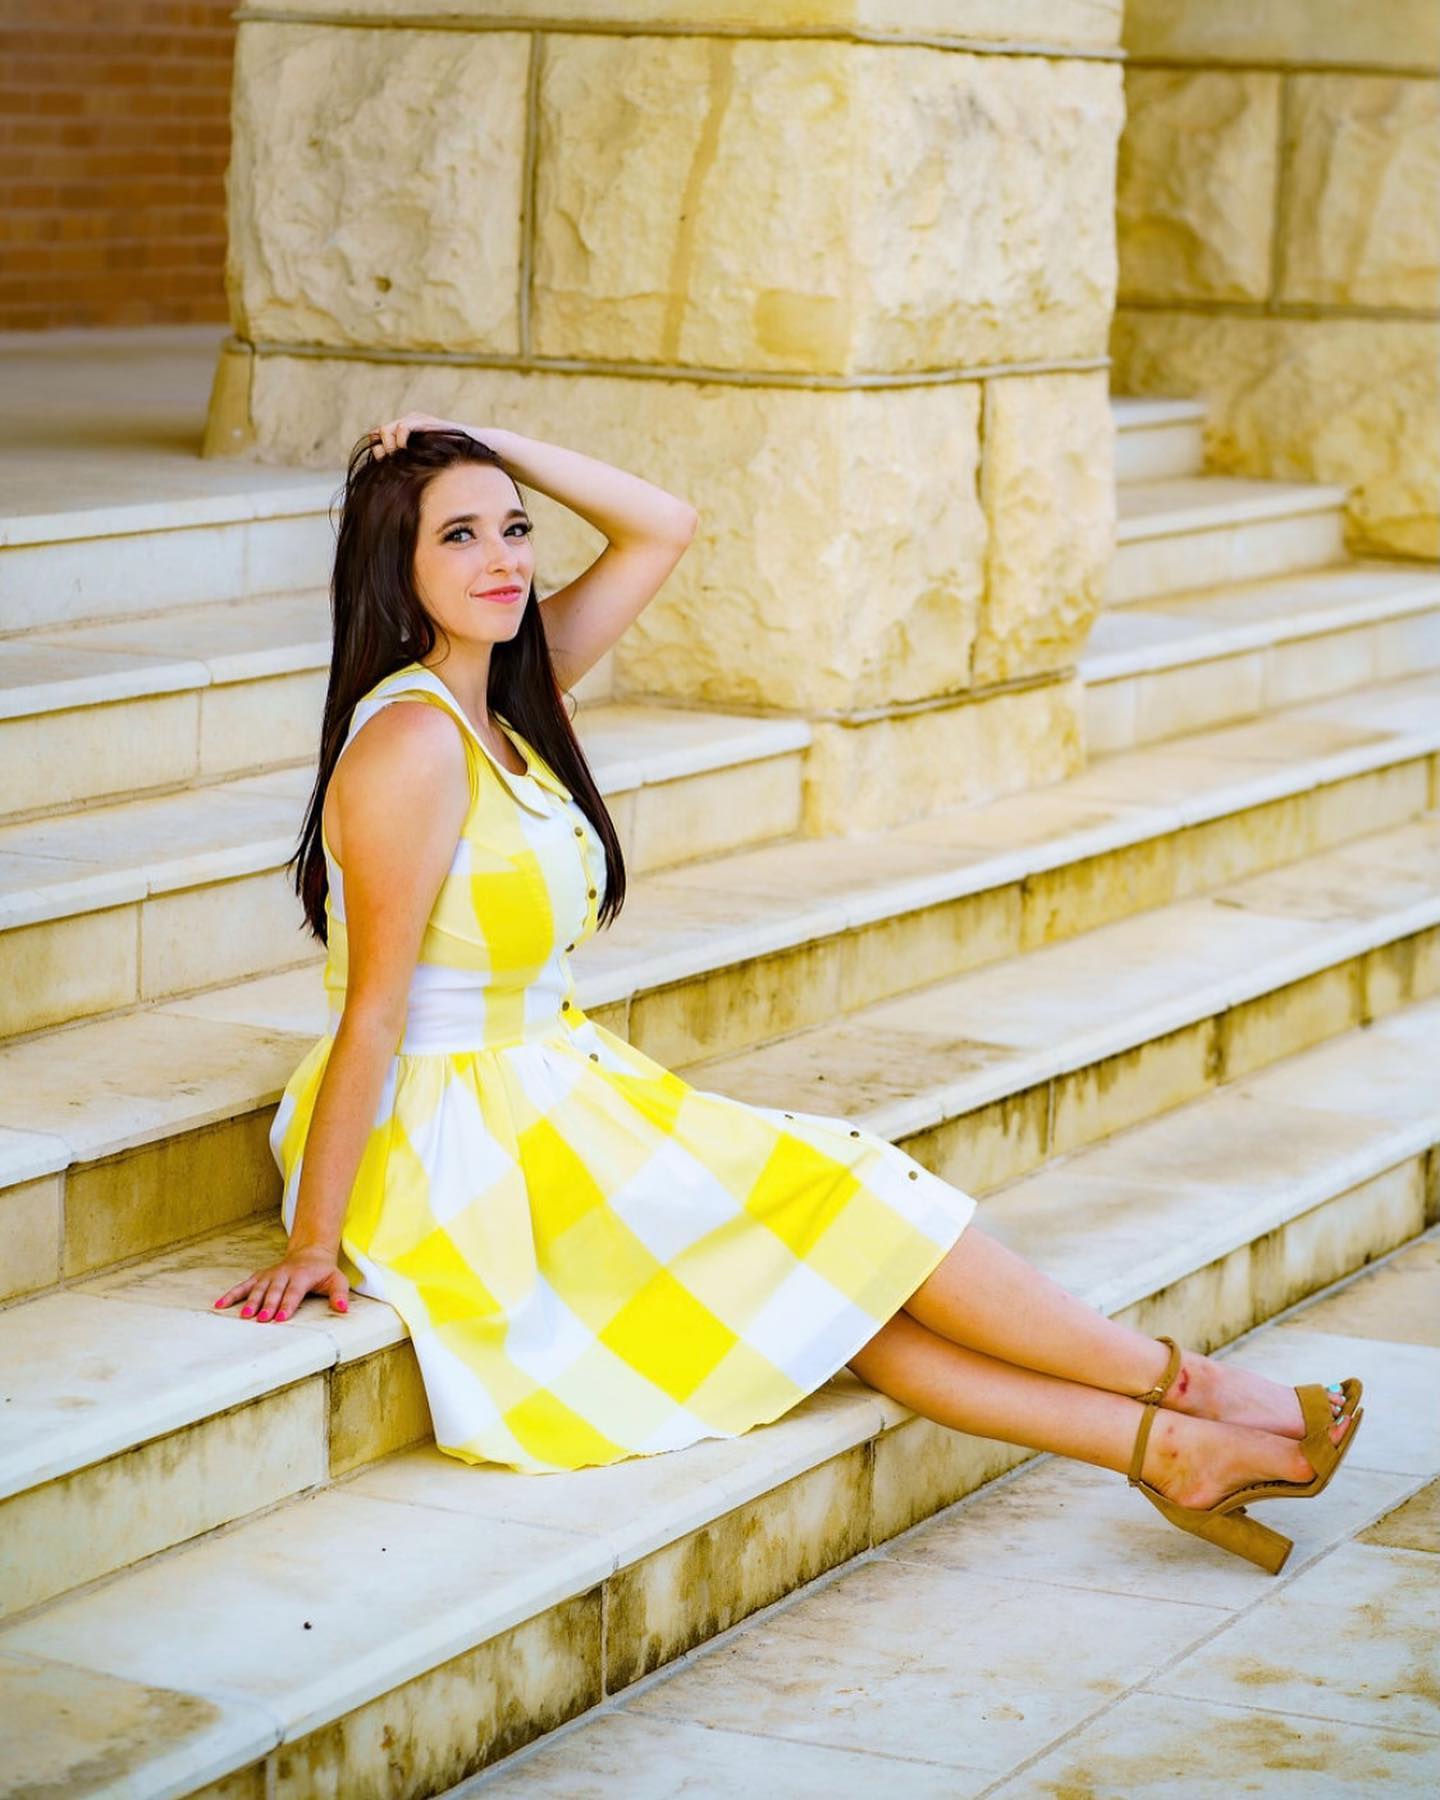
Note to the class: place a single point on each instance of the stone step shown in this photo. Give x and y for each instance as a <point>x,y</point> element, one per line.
<point>987,1075</point>
<point>985,1079</point>
<point>1156,439</point>
<point>479,1609</point>
<point>173,699</point>
<point>166,700</point>
<point>1160,668</point>
<point>133,901</point>
<point>220,532</point>
<point>1204,530</point>
<point>169,1136</point>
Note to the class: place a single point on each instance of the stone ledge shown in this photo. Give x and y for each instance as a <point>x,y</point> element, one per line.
<point>1156,670</point>
<point>1181,629</point>
<point>1139,412</point>
<point>1172,536</point>
<point>1066,25</point>
<point>1179,504</point>
<point>1156,446</point>
<point>1305,33</point>
<point>271,491</point>
<point>163,653</point>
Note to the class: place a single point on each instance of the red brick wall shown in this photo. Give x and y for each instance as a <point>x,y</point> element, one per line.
<point>114,138</point>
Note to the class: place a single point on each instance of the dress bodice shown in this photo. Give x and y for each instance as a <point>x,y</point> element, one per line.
<point>522,891</point>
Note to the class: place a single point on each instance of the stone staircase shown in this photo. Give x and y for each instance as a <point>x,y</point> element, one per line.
<point>1173,1018</point>
<point>1231,598</point>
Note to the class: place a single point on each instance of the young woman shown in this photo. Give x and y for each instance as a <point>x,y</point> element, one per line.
<point>596,1260</point>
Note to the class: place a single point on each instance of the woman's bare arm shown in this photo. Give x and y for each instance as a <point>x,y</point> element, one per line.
<point>402,791</point>
<point>396,856</point>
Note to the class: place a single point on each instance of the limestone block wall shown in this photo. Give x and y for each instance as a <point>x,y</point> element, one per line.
<point>1278,205</point>
<point>841,272</point>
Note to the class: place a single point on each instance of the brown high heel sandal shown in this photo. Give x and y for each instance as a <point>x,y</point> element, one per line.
<point>1226,1523</point>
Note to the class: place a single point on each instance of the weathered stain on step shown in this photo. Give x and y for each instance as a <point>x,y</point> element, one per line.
<point>1413,1525</point>
<point>102,1730</point>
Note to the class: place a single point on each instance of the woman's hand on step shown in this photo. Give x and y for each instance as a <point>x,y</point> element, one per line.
<point>277,1291</point>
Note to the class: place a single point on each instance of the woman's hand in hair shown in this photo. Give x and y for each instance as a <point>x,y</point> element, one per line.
<point>277,1291</point>
<point>392,434</point>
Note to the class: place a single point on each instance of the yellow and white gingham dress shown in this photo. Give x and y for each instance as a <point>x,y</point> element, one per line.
<point>595,1260</point>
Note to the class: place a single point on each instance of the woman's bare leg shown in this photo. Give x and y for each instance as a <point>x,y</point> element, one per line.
<point>985,1297</point>
<point>1193,1461</point>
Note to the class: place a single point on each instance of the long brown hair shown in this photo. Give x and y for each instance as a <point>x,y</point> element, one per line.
<point>379,625</point>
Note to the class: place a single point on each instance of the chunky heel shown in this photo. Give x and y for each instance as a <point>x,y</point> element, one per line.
<point>1251,1539</point>
<point>1238,1532</point>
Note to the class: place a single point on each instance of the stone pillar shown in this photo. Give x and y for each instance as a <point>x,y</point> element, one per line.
<point>1279,227</point>
<point>840,272</point>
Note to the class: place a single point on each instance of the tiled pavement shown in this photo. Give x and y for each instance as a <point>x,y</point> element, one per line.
<point>1053,1636</point>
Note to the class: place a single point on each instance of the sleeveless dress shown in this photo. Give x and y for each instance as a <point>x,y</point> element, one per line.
<point>595,1260</point>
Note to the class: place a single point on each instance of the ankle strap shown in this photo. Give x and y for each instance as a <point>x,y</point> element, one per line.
<point>1142,1438</point>
<point>1153,1396</point>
